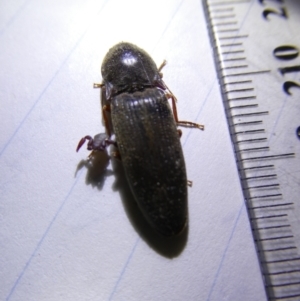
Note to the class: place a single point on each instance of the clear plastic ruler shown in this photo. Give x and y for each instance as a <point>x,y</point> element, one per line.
<point>256,44</point>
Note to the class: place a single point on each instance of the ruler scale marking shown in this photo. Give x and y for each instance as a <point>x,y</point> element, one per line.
<point>273,207</point>
<point>280,249</point>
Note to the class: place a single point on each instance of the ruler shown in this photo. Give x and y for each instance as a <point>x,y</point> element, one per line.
<point>256,46</point>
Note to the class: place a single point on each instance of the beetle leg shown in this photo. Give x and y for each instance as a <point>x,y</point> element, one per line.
<point>97,85</point>
<point>189,183</point>
<point>179,133</point>
<point>163,64</point>
<point>116,154</point>
<point>182,122</point>
<point>105,110</point>
<point>98,143</point>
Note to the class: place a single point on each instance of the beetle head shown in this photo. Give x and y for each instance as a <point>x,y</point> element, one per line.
<point>128,68</point>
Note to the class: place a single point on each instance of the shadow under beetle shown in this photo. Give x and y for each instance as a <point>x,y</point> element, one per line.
<point>137,111</point>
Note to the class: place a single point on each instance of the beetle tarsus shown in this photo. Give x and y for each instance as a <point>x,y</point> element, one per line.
<point>191,124</point>
<point>182,122</point>
<point>82,141</point>
<point>189,183</point>
<point>163,64</point>
<point>97,85</point>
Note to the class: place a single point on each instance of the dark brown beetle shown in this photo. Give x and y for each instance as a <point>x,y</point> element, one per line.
<point>146,135</point>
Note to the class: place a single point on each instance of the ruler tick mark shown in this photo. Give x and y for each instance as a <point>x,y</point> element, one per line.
<point>270,206</point>
<point>242,98</point>
<point>223,17</point>
<point>217,10</point>
<point>247,73</point>
<point>238,82</point>
<point>274,238</point>
<point>259,177</point>
<point>226,30</point>
<point>228,2</point>
<point>241,90</point>
<point>271,227</point>
<point>283,260</point>
<point>268,196</point>
<point>283,284</point>
<point>285,297</point>
<point>263,186</point>
<point>269,216</point>
<point>234,67</point>
<point>225,23</point>
<point>251,114</point>
<point>252,140</point>
<point>259,167</point>
<point>251,132</point>
<point>233,52</point>
<point>283,272</point>
<point>278,249</point>
<point>235,59</point>
<point>231,44</point>
<point>243,106</point>
<point>234,37</point>
<point>247,123</point>
<point>269,157</point>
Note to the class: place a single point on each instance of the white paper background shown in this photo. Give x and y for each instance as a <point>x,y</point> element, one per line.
<point>72,232</point>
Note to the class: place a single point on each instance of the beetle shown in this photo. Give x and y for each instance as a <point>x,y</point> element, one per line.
<point>136,110</point>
